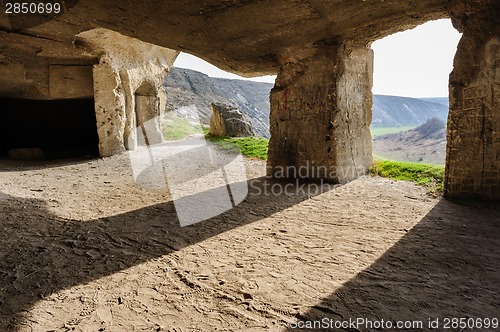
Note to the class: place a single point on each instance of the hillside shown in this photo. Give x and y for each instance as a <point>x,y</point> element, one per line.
<point>392,111</point>
<point>426,143</point>
<point>190,92</point>
<point>438,100</point>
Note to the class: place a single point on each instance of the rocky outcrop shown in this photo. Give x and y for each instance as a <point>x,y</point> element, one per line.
<point>189,91</point>
<point>228,121</point>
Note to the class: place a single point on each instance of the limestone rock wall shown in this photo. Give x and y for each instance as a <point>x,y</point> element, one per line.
<point>473,150</point>
<point>43,69</point>
<point>101,64</point>
<point>127,68</point>
<point>355,100</point>
<point>321,113</point>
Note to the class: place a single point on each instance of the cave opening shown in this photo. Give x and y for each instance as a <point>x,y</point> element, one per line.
<point>410,86</point>
<point>48,129</point>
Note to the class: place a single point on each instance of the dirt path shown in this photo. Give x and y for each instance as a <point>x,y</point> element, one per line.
<point>84,248</point>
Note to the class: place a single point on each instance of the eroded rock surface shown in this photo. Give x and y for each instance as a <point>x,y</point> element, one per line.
<point>473,151</point>
<point>228,120</point>
<point>128,88</point>
<point>321,114</point>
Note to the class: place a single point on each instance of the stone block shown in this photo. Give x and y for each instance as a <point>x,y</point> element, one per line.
<point>228,120</point>
<point>67,82</point>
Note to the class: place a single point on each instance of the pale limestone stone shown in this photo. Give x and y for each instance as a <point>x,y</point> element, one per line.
<point>228,120</point>
<point>128,70</point>
<point>473,136</point>
<point>321,114</point>
<point>66,82</point>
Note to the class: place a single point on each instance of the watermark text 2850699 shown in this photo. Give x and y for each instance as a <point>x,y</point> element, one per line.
<point>32,8</point>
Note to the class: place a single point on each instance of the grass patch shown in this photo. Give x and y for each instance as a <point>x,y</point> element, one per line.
<point>176,128</point>
<point>253,147</point>
<point>428,175</point>
<point>380,131</point>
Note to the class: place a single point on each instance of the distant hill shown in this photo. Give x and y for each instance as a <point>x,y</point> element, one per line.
<point>437,100</point>
<point>190,94</point>
<point>426,143</point>
<point>392,111</point>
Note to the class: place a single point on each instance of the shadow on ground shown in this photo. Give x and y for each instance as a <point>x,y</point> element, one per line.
<point>12,165</point>
<point>42,253</point>
<point>447,266</point>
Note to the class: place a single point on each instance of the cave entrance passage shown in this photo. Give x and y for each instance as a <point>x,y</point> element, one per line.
<point>147,115</point>
<point>410,106</point>
<point>48,129</point>
<point>144,107</point>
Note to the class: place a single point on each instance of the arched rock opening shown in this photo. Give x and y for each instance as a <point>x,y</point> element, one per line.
<point>148,115</point>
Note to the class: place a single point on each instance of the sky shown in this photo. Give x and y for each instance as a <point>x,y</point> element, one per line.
<point>412,63</point>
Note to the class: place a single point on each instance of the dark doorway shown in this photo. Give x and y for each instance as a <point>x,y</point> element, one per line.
<point>59,128</point>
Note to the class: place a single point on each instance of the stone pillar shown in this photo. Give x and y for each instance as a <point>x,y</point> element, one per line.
<point>321,114</point>
<point>109,98</point>
<point>473,150</point>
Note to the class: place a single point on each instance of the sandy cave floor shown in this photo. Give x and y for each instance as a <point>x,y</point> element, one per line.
<point>84,248</point>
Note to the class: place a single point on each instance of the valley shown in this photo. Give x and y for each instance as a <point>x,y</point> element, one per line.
<point>394,120</point>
